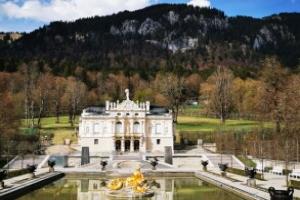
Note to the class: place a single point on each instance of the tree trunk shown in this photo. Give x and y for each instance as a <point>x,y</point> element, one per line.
<point>32,113</point>
<point>70,117</point>
<point>41,110</point>
<point>286,163</point>
<point>57,111</point>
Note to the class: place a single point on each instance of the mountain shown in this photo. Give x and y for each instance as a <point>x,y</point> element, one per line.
<point>159,37</point>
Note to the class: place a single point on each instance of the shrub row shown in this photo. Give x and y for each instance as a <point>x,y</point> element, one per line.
<point>18,172</point>
<point>295,184</point>
<point>191,137</point>
<point>242,173</point>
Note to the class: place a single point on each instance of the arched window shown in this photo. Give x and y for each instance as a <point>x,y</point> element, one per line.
<point>136,127</point>
<point>119,127</point>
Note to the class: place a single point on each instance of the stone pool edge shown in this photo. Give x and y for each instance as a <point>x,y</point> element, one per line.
<point>245,192</point>
<point>238,189</point>
<point>30,185</point>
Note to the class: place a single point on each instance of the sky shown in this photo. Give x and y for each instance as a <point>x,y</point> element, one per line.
<point>27,15</point>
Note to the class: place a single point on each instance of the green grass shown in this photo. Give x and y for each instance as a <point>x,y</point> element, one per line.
<point>50,123</point>
<point>60,135</point>
<point>202,124</point>
<point>63,130</point>
<point>247,162</point>
<point>60,131</point>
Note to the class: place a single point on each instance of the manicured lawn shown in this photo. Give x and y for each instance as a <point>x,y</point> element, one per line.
<point>60,135</point>
<point>60,131</point>
<point>248,162</point>
<point>202,124</point>
<point>50,123</point>
<point>64,130</point>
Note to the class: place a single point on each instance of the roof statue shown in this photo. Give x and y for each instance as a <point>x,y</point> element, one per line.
<point>127,94</point>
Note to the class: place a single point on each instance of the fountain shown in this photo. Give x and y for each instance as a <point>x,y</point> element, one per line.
<point>134,186</point>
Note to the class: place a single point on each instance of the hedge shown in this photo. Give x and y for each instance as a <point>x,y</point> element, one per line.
<point>192,137</point>
<point>295,184</point>
<point>18,172</point>
<point>242,173</point>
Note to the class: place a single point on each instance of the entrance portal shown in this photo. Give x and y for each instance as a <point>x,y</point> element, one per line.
<point>136,145</point>
<point>118,145</point>
<point>127,145</point>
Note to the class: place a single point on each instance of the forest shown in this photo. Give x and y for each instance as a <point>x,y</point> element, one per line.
<point>167,54</point>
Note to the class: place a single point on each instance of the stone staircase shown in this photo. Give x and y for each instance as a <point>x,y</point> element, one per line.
<point>232,161</point>
<point>127,156</point>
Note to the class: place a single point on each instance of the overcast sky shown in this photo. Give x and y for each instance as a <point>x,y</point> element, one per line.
<point>27,15</point>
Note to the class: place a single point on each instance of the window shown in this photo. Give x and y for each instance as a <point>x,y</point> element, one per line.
<point>119,127</point>
<point>136,114</point>
<point>97,128</point>
<point>166,130</point>
<point>96,141</point>
<point>95,186</point>
<point>136,127</point>
<point>119,114</point>
<point>127,114</point>
<point>104,130</point>
<point>157,141</point>
<point>158,128</point>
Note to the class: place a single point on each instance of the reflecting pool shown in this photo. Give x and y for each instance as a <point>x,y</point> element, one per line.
<point>165,189</point>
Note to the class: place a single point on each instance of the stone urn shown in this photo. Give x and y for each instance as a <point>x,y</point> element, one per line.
<point>204,163</point>
<point>281,194</point>
<point>154,163</point>
<point>51,164</point>
<point>103,164</point>
<point>250,172</point>
<point>31,169</point>
<point>223,168</point>
<point>3,175</point>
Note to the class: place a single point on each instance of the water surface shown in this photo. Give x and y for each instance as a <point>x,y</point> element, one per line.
<point>165,189</point>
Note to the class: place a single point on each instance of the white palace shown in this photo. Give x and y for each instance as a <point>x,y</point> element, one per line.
<point>126,127</point>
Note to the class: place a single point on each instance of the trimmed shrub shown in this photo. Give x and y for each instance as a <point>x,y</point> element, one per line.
<point>242,173</point>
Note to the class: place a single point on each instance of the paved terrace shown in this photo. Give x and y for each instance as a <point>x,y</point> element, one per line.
<point>233,183</point>
<point>186,162</point>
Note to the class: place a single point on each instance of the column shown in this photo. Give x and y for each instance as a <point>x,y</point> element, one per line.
<point>131,145</point>
<point>122,145</point>
<point>114,144</point>
<point>142,145</point>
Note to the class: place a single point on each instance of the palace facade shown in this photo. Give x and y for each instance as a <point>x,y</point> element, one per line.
<point>126,126</point>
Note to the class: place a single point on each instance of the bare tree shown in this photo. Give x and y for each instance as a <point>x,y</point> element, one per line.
<point>44,88</point>
<point>57,94</point>
<point>74,97</point>
<point>30,76</point>
<point>274,78</point>
<point>172,87</point>
<point>218,91</point>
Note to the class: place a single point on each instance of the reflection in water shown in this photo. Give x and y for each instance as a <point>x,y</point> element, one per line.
<point>164,188</point>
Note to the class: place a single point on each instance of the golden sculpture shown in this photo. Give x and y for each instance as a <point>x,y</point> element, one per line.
<point>134,185</point>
